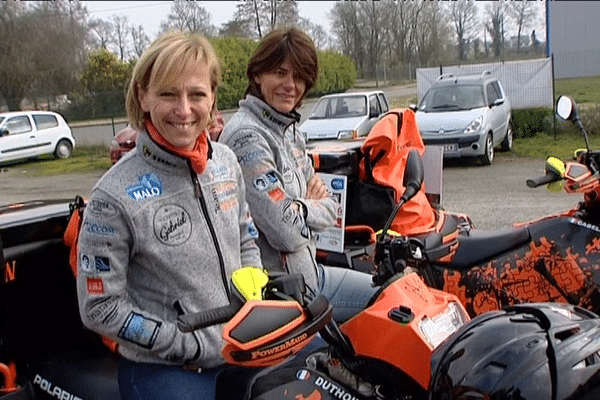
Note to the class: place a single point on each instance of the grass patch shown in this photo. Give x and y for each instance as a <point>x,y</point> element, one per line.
<point>582,90</point>
<point>543,145</point>
<point>83,160</point>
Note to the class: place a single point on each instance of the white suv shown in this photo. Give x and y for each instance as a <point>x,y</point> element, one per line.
<point>468,115</point>
<point>25,134</point>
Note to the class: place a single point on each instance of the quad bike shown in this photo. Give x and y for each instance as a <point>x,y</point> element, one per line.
<point>555,258</point>
<point>46,353</point>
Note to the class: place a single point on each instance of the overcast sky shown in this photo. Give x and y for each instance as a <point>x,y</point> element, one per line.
<point>150,14</point>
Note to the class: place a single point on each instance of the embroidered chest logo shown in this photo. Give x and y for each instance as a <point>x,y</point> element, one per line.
<point>172,225</point>
<point>224,196</point>
<point>102,208</point>
<point>150,186</point>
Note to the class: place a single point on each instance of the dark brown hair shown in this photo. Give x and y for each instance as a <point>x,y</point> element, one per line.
<point>278,46</point>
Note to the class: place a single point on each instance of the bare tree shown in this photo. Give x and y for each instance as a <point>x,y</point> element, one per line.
<point>65,32</point>
<point>431,32</point>
<point>495,26</point>
<point>246,21</point>
<point>188,16</point>
<point>348,31</point>
<point>375,28</point>
<point>121,30</point>
<point>139,40</point>
<point>16,62</point>
<point>284,14</point>
<point>266,15</point>
<point>464,21</point>
<point>522,13</point>
<point>316,32</point>
<point>237,28</point>
<point>102,32</point>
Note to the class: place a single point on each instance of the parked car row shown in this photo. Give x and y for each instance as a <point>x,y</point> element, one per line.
<point>469,115</point>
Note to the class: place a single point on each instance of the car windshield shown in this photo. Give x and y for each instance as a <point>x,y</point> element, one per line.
<point>448,98</point>
<point>340,107</point>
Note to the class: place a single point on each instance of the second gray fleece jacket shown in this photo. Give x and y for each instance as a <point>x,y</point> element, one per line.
<point>276,169</point>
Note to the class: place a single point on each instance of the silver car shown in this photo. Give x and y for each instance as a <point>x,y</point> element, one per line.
<point>469,115</point>
<point>345,115</point>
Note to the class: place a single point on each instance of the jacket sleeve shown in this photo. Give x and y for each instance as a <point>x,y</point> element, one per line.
<point>276,212</point>
<point>105,244</point>
<point>250,252</point>
<point>320,214</point>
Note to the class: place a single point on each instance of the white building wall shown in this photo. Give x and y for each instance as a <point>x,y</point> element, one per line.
<point>575,38</point>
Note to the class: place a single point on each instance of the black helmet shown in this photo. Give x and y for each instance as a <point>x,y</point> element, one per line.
<point>528,351</point>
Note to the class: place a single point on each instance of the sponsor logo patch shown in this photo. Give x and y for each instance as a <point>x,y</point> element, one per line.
<point>260,183</point>
<point>101,208</point>
<point>337,184</point>
<point>85,263</point>
<point>251,156</point>
<point>104,309</point>
<point>101,264</point>
<point>220,172</point>
<point>140,330</point>
<point>172,225</point>
<point>150,186</point>
<point>277,195</point>
<point>252,231</point>
<point>95,228</point>
<point>243,141</point>
<point>272,177</point>
<point>95,286</point>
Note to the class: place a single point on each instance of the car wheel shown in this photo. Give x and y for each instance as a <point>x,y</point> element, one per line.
<point>64,148</point>
<point>507,143</point>
<point>488,155</point>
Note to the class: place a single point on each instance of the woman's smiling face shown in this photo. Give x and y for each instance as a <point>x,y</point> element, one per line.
<point>280,88</point>
<point>180,110</point>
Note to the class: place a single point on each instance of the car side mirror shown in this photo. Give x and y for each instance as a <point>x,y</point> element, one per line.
<point>3,132</point>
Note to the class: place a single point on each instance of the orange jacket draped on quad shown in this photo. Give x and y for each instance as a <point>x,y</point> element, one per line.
<point>387,146</point>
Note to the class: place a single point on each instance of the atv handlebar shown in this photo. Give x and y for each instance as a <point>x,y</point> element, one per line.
<point>542,180</point>
<point>205,318</point>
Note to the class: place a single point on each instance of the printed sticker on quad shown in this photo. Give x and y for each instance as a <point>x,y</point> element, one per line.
<point>308,385</point>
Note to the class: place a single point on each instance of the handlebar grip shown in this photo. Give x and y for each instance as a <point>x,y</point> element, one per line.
<point>204,318</point>
<point>542,180</point>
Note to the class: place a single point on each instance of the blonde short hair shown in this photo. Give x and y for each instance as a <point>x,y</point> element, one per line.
<point>163,62</point>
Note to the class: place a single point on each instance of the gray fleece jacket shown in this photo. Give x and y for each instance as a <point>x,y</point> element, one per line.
<point>158,240</point>
<point>276,169</point>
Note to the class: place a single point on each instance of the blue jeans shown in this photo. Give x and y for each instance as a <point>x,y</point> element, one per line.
<point>143,381</point>
<point>347,290</point>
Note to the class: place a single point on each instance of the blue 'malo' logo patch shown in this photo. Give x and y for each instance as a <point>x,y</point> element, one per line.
<point>150,186</point>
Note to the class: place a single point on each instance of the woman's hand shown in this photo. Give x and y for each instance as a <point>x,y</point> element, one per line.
<point>316,189</point>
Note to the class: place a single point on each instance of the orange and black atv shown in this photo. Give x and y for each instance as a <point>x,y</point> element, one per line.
<point>555,258</point>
